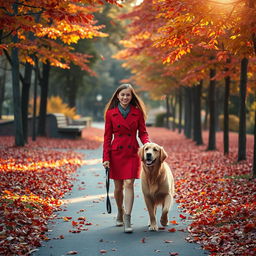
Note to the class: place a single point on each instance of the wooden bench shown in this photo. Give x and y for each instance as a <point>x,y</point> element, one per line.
<point>86,121</point>
<point>66,129</point>
<point>57,126</point>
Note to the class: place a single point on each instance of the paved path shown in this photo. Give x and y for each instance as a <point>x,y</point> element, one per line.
<point>87,200</point>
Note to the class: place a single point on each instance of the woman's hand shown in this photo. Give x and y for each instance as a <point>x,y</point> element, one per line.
<point>106,164</point>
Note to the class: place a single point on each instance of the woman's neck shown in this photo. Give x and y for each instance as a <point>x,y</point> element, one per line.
<point>124,107</point>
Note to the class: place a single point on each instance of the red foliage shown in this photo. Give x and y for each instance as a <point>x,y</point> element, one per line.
<point>32,181</point>
<point>91,139</point>
<point>216,190</point>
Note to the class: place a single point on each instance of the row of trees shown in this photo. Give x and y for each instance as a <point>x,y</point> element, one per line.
<point>179,47</point>
<point>41,34</point>
<point>91,93</point>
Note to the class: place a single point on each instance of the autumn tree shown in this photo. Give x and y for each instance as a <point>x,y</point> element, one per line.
<point>49,23</point>
<point>175,28</point>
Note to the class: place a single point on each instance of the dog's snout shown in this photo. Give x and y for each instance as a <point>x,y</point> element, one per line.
<point>148,155</point>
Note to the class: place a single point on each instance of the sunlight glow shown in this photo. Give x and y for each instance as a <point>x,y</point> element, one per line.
<point>136,2</point>
<point>11,164</point>
<point>92,161</point>
<point>30,199</point>
<point>230,2</point>
<point>85,198</point>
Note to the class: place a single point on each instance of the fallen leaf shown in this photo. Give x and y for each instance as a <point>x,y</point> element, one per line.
<point>74,231</point>
<point>71,253</point>
<point>81,218</point>
<point>168,241</point>
<point>182,216</point>
<point>74,223</point>
<point>66,218</point>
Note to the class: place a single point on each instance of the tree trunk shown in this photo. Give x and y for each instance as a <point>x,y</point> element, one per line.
<point>73,87</point>
<point>251,5</point>
<point>197,114</point>
<point>25,98</point>
<point>180,109</point>
<point>2,84</point>
<point>72,96</point>
<point>174,105</point>
<point>167,101</point>
<point>212,123</point>
<point>2,88</point>
<point>242,111</point>
<point>217,107</point>
<point>193,88</point>
<point>254,154</point>
<point>19,139</point>
<point>188,113</point>
<point>35,101</point>
<point>226,114</point>
<point>44,84</point>
<point>205,125</point>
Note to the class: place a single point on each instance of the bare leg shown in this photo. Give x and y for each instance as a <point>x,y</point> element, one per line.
<point>128,195</point>
<point>118,194</point>
<point>128,204</point>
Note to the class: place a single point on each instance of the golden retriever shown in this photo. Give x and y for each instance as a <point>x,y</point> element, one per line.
<point>157,182</point>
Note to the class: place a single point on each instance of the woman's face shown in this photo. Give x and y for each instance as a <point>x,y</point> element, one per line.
<point>125,97</point>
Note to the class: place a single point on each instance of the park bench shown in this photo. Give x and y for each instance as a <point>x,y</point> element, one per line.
<point>57,126</point>
<point>86,120</point>
<point>68,128</point>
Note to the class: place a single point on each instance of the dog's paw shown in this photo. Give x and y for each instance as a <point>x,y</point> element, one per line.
<point>153,228</point>
<point>164,219</point>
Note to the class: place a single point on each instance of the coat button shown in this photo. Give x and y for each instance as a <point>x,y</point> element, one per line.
<point>119,126</point>
<point>129,146</point>
<point>129,134</point>
<point>120,147</point>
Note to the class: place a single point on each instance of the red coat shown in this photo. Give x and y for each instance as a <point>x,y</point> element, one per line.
<point>120,145</point>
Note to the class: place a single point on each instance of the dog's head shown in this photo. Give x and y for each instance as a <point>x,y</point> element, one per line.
<point>150,153</point>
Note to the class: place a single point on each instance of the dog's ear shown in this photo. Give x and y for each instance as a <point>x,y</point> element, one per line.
<point>163,154</point>
<point>141,153</point>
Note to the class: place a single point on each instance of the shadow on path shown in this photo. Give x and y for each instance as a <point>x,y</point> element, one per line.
<point>87,202</point>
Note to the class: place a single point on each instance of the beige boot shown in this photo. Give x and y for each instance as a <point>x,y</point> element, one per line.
<point>127,223</point>
<point>119,218</point>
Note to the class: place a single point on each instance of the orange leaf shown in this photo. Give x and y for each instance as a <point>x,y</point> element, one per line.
<point>74,223</point>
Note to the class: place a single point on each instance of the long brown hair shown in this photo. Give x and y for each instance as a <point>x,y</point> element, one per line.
<point>136,100</point>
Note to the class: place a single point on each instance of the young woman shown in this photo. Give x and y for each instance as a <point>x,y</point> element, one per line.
<point>124,116</point>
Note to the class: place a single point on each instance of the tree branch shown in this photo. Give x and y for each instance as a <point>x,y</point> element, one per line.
<point>10,61</point>
<point>27,5</point>
<point>5,36</point>
<point>30,13</point>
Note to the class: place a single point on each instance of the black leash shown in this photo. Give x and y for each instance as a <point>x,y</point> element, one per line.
<point>108,204</point>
